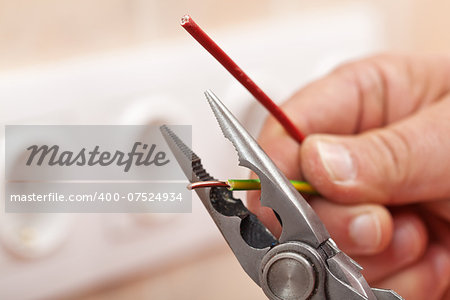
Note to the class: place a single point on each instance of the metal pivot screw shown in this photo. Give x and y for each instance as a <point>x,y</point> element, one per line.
<point>288,276</point>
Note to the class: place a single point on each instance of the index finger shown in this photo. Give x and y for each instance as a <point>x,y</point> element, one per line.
<point>357,97</point>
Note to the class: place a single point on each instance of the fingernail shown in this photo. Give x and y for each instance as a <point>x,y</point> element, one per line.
<point>337,161</point>
<point>365,231</point>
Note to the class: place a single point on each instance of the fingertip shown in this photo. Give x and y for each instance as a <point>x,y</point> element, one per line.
<point>363,229</point>
<point>428,278</point>
<point>407,246</point>
<point>371,230</point>
<point>386,221</point>
<point>320,162</point>
<point>346,169</point>
<point>441,262</point>
<point>410,237</point>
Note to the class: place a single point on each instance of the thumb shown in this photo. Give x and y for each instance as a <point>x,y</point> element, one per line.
<point>405,162</point>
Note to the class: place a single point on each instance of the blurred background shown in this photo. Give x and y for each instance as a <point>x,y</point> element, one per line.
<point>130,62</point>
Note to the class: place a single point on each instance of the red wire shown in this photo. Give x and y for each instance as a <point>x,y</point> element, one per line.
<point>207,43</point>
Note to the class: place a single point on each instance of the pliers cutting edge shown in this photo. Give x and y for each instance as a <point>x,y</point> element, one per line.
<point>304,262</point>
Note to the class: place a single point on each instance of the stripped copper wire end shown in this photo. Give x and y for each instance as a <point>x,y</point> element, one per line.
<point>205,184</point>
<point>185,19</point>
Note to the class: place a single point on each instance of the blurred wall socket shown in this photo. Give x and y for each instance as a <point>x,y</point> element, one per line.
<point>164,83</point>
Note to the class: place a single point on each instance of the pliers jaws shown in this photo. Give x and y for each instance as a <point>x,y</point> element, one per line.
<point>304,262</point>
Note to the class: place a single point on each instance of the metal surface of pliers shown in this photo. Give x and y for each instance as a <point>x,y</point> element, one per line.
<point>304,262</point>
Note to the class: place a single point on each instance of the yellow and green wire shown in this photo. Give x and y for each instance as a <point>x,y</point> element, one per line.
<point>255,184</point>
<point>249,184</point>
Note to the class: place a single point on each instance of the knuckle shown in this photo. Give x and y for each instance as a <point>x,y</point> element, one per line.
<point>371,83</point>
<point>395,150</point>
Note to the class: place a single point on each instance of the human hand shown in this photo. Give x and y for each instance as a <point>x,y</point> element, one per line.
<point>378,152</point>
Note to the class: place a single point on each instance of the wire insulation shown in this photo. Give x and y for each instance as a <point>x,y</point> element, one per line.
<point>248,185</point>
<point>255,184</point>
<point>197,33</point>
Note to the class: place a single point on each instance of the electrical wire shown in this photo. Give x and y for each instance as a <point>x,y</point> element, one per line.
<point>197,33</point>
<point>249,184</point>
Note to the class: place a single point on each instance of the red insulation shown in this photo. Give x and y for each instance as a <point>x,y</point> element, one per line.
<point>201,37</point>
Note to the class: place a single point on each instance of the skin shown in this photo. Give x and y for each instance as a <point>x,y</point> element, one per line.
<point>378,152</point>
